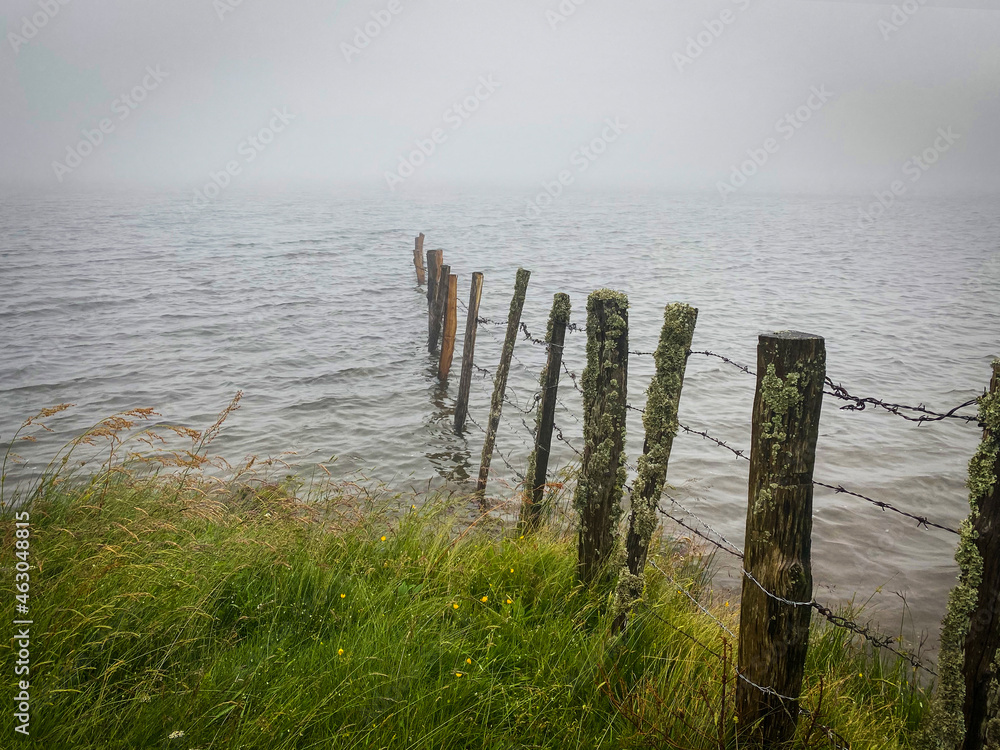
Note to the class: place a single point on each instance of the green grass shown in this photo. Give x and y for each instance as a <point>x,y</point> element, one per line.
<point>245,619</point>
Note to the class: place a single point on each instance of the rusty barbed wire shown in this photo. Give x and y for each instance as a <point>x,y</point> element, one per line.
<point>859,403</point>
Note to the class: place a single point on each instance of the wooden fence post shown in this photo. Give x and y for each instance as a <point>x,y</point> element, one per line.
<point>660,420</point>
<point>500,379</point>
<point>538,464</point>
<point>774,635</point>
<point>434,258</point>
<point>598,497</point>
<point>965,712</point>
<point>418,258</point>
<point>437,308</point>
<point>450,326</point>
<point>468,352</point>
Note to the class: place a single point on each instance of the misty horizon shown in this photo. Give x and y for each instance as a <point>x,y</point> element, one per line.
<point>805,97</point>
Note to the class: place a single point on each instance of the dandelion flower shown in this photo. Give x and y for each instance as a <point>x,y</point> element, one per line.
<point>413,507</point>
<point>383,539</point>
<point>511,570</point>
<point>454,605</point>
<point>509,601</point>
<point>340,652</point>
<point>343,596</point>
<point>458,674</point>
<point>468,661</point>
<point>484,599</point>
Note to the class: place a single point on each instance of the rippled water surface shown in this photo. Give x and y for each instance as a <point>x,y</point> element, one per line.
<point>308,303</point>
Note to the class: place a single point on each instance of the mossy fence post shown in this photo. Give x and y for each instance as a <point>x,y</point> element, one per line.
<point>468,352</point>
<point>965,712</point>
<point>660,420</point>
<point>774,633</point>
<point>538,463</point>
<point>434,258</point>
<point>418,258</point>
<point>450,314</point>
<point>500,379</point>
<point>437,309</point>
<point>598,497</point>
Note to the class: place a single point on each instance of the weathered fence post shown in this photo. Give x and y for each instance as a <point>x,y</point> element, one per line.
<point>538,463</point>
<point>500,379</point>
<point>450,326</point>
<point>660,420</point>
<point>598,497</point>
<point>437,308</point>
<point>434,258</point>
<point>418,258</point>
<point>774,633</point>
<point>468,352</point>
<point>965,712</point>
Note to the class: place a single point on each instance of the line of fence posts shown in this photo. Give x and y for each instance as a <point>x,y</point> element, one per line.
<point>500,379</point>
<point>538,462</point>
<point>777,587</point>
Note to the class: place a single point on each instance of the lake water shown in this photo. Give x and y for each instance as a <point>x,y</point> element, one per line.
<point>308,303</point>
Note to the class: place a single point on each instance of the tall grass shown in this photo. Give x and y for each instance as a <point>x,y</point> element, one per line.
<point>182,612</point>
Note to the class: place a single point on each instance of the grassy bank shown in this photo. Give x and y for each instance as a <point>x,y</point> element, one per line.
<point>197,615</point>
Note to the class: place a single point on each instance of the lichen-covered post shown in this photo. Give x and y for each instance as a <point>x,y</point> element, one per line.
<point>774,634</point>
<point>468,352</point>
<point>500,379</point>
<point>538,463</point>
<point>418,258</point>
<point>434,258</point>
<point>965,713</point>
<point>598,497</point>
<point>660,420</point>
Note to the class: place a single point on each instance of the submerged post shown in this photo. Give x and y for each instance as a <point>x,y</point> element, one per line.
<point>598,497</point>
<point>418,258</point>
<point>965,712</point>
<point>437,308</point>
<point>450,326</point>
<point>777,582</point>
<point>538,464</point>
<point>660,420</point>
<point>468,352</point>
<point>500,380</point>
<point>434,258</point>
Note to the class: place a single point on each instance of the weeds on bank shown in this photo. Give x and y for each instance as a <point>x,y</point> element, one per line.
<point>175,610</point>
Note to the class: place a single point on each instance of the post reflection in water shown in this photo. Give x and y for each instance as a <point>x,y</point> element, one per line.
<point>448,453</point>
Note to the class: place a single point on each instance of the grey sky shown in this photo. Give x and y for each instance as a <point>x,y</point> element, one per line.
<point>892,89</point>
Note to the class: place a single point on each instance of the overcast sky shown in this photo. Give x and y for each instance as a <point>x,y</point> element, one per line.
<point>696,88</point>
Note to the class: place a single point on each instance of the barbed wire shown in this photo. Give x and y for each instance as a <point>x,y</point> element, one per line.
<point>696,532</point>
<point>727,360</point>
<point>922,521</point>
<point>865,631</point>
<point>735,549</point>
<point>927,415</point>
